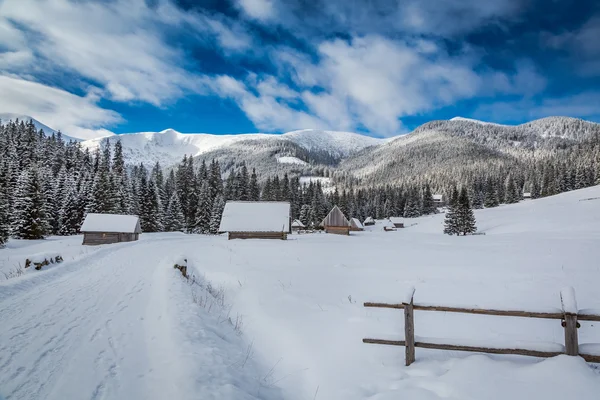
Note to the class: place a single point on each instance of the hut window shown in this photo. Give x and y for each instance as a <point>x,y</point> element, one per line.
<point>103,235</point>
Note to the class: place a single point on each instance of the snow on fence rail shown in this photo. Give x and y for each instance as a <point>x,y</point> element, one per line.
<point>569,317</point>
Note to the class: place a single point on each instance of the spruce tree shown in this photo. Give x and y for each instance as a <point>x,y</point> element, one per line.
<point>4,218</point>
<point>204,210</point>
<point>254,188</point>
<point>150,215</point>
<point>451,223</point>
<point>174,219</point>
<point>428,203</point>
<point>31,222</point>
<point>491,197</point>
<point>216,214</point>
<point>465,217</point>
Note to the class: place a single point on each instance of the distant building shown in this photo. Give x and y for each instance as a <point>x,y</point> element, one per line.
<point>297,225</point>
<point>336,222</point>
<point>256,220</point>
<point>369,221</point>
<point>110,228</point>
<point>397,222</point>
<point>356,225</point>
<point>527,196</point>
<point>438,199</point>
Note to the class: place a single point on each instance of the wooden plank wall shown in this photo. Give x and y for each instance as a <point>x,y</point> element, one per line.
<point>258,235</point>
<point>335,218</point>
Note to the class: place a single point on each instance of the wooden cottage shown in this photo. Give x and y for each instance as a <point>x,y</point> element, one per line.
<point>110,228</point>
<point>356,225</point>
<point>297,225</point>
<point>256,220</point>
<point>438,199</point>
<point>336,222</point>
<point>369,221</point>
<point>397,222</point>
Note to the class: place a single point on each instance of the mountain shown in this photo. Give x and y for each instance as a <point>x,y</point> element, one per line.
<point>308,146</point>
<point>5,117</point>
<point>454,150</point>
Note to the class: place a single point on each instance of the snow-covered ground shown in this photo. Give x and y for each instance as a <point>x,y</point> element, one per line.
<point>118,321</point>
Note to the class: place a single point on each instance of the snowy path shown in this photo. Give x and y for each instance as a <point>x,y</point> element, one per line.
<point>103,331</point>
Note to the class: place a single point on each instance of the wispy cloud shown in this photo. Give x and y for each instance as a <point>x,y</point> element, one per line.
<point>79,116</point>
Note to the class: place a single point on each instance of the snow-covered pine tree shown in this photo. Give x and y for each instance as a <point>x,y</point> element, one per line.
<point>70,212</point>
<point>511,193</point>
<point>253,187</point>
<point>150,215</point>
<point>465,216</point>
<point>4,218</point>
<point>174,219</point>
<point>305,212</point>
<point>451,223</point>
<point>204,210</point>
<point>491,197</point>
<point>30,221</point>
<point>428,203</point>
<point>413,206</point>
<point>216,214</point>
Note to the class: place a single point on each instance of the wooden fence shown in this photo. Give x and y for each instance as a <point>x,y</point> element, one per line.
<point>569,316</point>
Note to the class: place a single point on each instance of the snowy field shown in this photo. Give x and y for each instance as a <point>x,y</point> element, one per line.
<point>118,322</point>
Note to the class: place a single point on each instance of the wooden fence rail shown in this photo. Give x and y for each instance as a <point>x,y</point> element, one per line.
<point>569,317</point>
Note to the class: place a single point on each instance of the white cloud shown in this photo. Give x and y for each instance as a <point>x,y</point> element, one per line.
<point>583,105</point>
<point>258,9</point>
<point>77,116</point>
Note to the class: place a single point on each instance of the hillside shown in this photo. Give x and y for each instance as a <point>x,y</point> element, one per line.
<point>284,319</point>
<point>5,117</point>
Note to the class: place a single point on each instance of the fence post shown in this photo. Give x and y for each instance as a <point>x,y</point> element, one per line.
<point>569,305</point>
<point>409,329</point>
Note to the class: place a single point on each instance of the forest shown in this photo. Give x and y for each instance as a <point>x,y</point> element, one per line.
<point>48,185</point>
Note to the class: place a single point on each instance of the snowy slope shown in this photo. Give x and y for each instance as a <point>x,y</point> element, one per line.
<point>169,146</point>
<point>117,322</point>
<point>5,117</point>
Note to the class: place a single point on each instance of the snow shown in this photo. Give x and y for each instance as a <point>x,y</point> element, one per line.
<point>550,347</point>
<point>590,348</point>
<point>119,322</point>
<point>264,216</point>
<point>5,117</point>
<point>569,302</point>
<point>297,224</point>
<point>110,223</point>
<point>291,160</point>
<point>476,121</point>
<point>396,220</point>
<point>326,183</point>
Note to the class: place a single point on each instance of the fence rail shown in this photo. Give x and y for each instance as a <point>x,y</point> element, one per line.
<point>569,317</point>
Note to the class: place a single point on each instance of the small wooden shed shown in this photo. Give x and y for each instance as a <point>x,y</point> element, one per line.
<point>397,222</point>
<point>336,222</point>
<point>356,225</point>
<point>110,228</point>
<point>297,225</point>
<point>369,221</point>
<point>256,220</point>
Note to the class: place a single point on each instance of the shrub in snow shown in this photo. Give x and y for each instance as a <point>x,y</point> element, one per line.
<point>42,259</point>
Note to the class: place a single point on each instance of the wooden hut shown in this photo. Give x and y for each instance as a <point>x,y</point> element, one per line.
<point>369,221</point>
<point>356,225</point>
<point>256,220</point>
<point>397,222</point>
<point>336,222</point>
<point>110,228</point>
<point>297,225</point>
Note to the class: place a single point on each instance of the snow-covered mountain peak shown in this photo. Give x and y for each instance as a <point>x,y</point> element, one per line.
<point>475,121</point>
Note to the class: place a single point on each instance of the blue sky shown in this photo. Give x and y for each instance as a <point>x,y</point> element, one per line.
<point>379,67</point>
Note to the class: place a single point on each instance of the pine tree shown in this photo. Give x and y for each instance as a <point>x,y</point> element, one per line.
<point>511,192</point>
<point>451,223</point>
<point>31,222</point>
<point>204,210</point>
<point>254,189</point>
<point>70,215</point>
<point>174,219</point>
<point>216,214</point>
<point>150,215</point>
<point>428,203</point>
<point>465,217</point>
<point>4,218</point>
<point>491,197</point>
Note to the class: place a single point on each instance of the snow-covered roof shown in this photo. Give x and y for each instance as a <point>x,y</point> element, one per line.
<point>438,197</point>
<point>255,216</point>
<point>111,223</point>
<point>396,220</point>
<point>369,220</point>
<point>526,194</point>
<point>297,224</point>
<point>356,223</point>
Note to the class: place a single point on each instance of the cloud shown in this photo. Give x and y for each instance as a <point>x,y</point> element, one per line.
<point>262,10</point>
<point>77,116</point>
<point>118,45</point>
<point>582,105</point>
